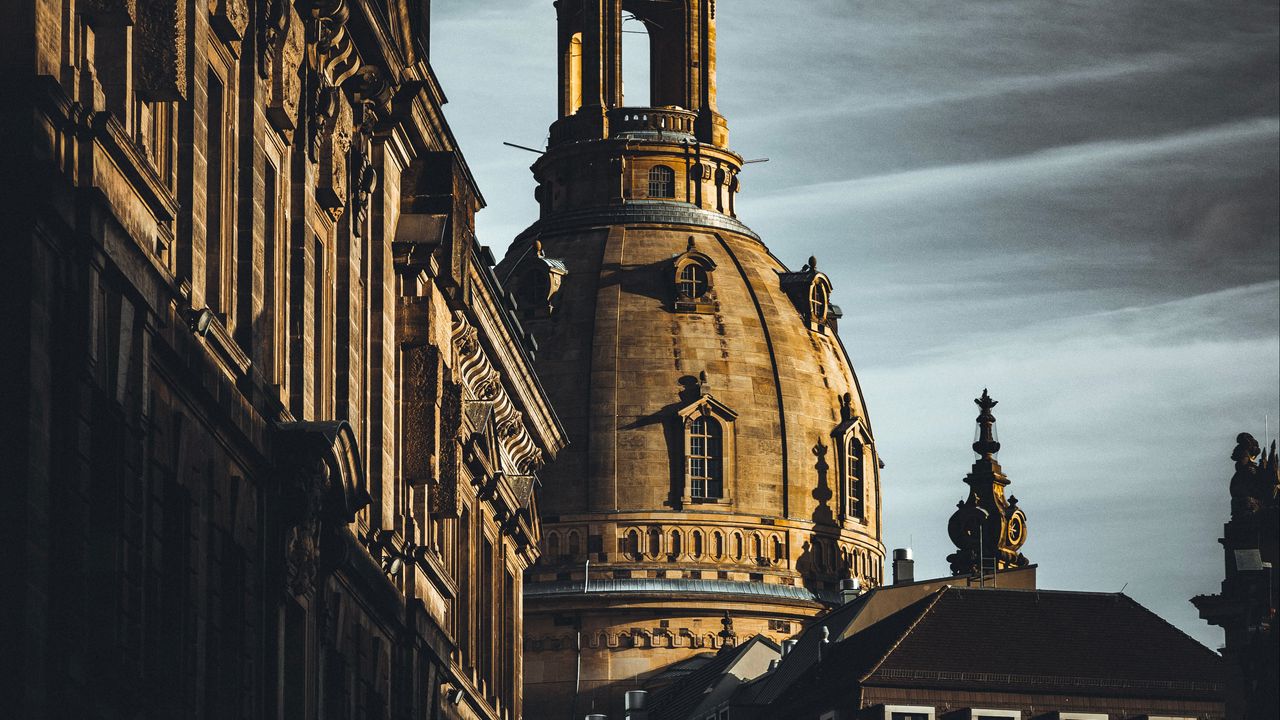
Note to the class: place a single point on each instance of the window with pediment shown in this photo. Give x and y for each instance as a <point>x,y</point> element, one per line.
<point>856,463</point>
<point>708,449</point>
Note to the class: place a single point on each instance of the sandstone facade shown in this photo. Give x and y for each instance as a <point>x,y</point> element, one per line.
<point>271,426</point>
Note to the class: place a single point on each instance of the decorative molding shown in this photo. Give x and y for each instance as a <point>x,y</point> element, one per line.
<point>481,381</point>
<point>229,18</point>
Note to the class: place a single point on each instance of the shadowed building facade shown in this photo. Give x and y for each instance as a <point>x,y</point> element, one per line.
<point>720,458</point>
<point>271,431</point>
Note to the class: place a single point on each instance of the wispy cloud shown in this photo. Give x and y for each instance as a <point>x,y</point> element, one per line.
<point>1040,166</point>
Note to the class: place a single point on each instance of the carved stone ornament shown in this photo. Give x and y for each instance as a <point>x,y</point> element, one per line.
<point>110,13</point>
<point>284,54</point>
<point>161,37</point>
<point>1255,484</point>
<point>304,496</point>
<point>334,126</point>
<point>322,486</point>
<point>229,18</point>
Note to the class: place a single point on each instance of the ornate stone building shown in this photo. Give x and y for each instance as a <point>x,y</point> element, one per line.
<point>721,459</point>
<point>1245,608</point>
<point>270,425</point>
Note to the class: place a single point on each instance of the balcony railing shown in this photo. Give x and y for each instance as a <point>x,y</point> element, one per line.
<point>625,120</point>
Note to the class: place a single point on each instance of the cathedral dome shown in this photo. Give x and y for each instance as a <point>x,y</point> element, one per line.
<point>721,478</point>
<point>714,417</point>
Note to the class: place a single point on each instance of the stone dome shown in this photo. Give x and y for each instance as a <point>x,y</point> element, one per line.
<point>630,359</point>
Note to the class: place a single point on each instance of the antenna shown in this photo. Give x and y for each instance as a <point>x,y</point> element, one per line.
<point>756,160</point>
<point>522,147</point>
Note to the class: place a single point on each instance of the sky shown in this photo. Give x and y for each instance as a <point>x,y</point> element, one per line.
<point>1073,204</point>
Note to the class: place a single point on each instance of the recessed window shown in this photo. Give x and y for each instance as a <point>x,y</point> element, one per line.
<point>692,283</point>
<point>662,182</point>
<point>706,464</point>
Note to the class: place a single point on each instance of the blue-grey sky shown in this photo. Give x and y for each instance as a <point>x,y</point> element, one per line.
<point>1071,203</point>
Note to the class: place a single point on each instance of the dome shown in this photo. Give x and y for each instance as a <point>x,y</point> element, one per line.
<point>714,418</point>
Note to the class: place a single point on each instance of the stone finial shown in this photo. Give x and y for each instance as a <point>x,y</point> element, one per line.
<point>986,445</point>
<point>727,632</point>
<point>846,406</point>
<point>689,248</point>
<point>704,386</point>
<point>813,263</point>
<point>537,248</point>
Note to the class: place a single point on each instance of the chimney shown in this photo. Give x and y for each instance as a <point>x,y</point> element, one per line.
<point>850,588</point>
<point>788,645</point>
<point>635,702</point>
<point>904,568</point>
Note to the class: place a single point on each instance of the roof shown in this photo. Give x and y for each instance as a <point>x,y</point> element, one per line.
<point>680,699</point>
<point>1098,644</point>
<point>718,588</point>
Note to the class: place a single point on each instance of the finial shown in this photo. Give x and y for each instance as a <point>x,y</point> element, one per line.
<point>986,445</point>
<point>846,406</point>
<point>702,383</point>
<point>813,262</point>
<point>537,247</point>
<point>727,633</point>
<point>690,246</point>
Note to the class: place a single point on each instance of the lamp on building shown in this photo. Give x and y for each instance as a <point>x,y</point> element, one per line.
<point>198,320</point>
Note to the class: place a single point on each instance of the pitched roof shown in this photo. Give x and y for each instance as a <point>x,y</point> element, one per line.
<point>1102,643</point>
<point>678,700</point>
<point>1098,644</point>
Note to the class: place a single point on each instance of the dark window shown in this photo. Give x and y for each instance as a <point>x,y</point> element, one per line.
<point>662,182</point>
<point>693,281</point>
<point>706,473</point>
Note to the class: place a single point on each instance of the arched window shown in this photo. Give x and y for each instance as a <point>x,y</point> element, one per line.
<point>778,549</point>
<point>737,546</point>
<point>696,542</point>
<point>706,459</point>
<point>819,301</point>
<point>692,283</point>
<point>575,545</point>
<point>675,543</point>
<point>757,548</point>
<point>819,555</point>
<point>632,547</point>
<point>662,182</point>
<point>553,546</point>
<point>655,542</point>
<point>717,551</point>
<point>856,488</point>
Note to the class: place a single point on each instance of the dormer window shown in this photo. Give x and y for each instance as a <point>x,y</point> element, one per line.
<point>856,464</point>
<point>810,290</point>
<point>692,281</point>
<point>819,300</point>
<point>537,280</point>
<point>708,447</point>
<point>662,182</point>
